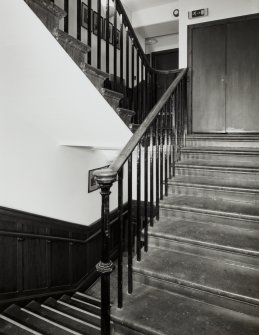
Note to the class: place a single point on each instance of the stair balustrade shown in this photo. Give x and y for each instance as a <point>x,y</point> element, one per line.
<point>118,47</point>
<point>159,139</point>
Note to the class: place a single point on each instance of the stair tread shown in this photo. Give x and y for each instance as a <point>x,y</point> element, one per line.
<point>154,311</point>
<point>218,164</point>
<point>215,206</point>
<point>219,149</point>
<point>218,276</point>
<point>34,322</point>
<point>208,234</point>
<point>200,181</point>
<point>8,328</point>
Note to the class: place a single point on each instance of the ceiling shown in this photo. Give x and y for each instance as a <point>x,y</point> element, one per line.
<point>135,5</point>
<point>155,30</point>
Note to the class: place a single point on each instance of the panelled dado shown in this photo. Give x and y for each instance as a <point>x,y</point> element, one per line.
<point>40,256</point>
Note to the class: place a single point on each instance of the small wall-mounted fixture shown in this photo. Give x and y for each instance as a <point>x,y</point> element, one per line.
<point>198,13</point>
<point>151,41</point>
<point>176,12</point>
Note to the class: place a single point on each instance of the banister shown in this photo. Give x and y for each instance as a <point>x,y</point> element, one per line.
<point>134,140</point>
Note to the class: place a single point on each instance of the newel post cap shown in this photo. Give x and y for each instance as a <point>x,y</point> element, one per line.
<point>105,176</point>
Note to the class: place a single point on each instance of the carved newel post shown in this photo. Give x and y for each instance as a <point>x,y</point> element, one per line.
<point>105,179</point>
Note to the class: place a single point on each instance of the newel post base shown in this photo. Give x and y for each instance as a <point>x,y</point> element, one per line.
<point>105,178</point>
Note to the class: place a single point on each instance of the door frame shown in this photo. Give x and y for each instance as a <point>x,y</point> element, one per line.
<point>190,53</point>
<point>163,52</point>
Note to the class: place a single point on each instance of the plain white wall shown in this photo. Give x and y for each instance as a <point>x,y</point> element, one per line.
<point>164,43</point>
<point>219,9</point>
<point>46,100</point>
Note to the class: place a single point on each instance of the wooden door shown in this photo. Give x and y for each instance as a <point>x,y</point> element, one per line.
<point>242,96</point>
<point>165,60</point>
<point>208,79</point>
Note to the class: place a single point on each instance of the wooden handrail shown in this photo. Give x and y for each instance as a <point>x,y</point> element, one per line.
<point>134,140</point>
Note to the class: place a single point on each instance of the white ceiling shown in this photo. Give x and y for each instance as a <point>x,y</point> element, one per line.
<point>135,5</point>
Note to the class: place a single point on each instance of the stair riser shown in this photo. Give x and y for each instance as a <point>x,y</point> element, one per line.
<point>233,175</point>
<point>204,250</point>
<point>197,294</point>
<point>222,143</point>
<point>98,82</point>
<point>241,222</point>
<point>251,197</point>
<point>78,56</point>
<point>221,157</point>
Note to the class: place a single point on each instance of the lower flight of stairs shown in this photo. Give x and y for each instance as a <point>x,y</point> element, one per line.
<point>201,273</point>
<point>50,15</point>
<point>78,315</point>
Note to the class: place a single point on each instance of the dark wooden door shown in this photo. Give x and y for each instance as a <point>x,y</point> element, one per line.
<point>208,79</point>
<point>165,60</point>
<point>224,64</point>
<point>242,96</point>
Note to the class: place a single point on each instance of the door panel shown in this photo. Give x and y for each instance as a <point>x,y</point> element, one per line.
<point>242,108</point>
<point>208,79</point>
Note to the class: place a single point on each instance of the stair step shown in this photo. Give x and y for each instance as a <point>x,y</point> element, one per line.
<point>96,76</point>
<point>223,140</point>
<point>240,190</point>
<point>217,276</point>
<point>67,305</point>
<point>10,327</point>
<point>67,319</point>
<point>35,322</point>
<point>87,298</point>
<point>76,49</point>
<point>47,12</point>
<point>152,311</point>
<point>112,97</point>
<point>207,234</point>
<point>209,206</point>
<point>126,115</point>
<point>220,153</point>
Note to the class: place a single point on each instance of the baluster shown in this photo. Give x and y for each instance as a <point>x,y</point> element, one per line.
<point>157,168</point>
<point>120,234</point>
<point>105,179</point>
<point>170,139</point>
<point>127,67</point>
<point>146,92</point>
<point>132,75</point>
<point>166,147</point>
<point>89,32</point>
<point>66,19</point>
<point>151,177</point>
<point>79,15</point>
<point>161,155</point>
<point>115,45</point>
<point>139,202</point>
<point>99,35</point>
<point>142,100</point>
<point>146,193</point>
<point>121,55</point>
<point>130,231</point>
<point>137,91</point>
<point>108,36</point>
<point>174,132</point>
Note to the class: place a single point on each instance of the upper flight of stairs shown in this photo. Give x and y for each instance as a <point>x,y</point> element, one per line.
<point>50,15</point>
<point>201,273</point>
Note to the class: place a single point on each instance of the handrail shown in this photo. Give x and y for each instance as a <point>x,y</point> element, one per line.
<point>134,140</point>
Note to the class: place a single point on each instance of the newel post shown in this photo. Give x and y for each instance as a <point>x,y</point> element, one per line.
<point>105,179</point>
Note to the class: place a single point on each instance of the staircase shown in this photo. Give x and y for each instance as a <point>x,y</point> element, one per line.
<point>201,273</point>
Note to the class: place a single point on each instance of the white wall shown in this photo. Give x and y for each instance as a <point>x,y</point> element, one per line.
<point>219,9</point>
<point>46,100</point>
<point>164,43</point>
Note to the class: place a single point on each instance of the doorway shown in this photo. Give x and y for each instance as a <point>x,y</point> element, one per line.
<point>224,76</point>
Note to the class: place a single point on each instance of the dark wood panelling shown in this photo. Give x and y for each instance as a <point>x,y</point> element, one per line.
<point>37,267</point>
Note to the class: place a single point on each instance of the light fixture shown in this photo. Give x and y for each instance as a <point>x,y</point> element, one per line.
<point>151,41</point>
<point>111,7</point>
<point>176,12</point>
